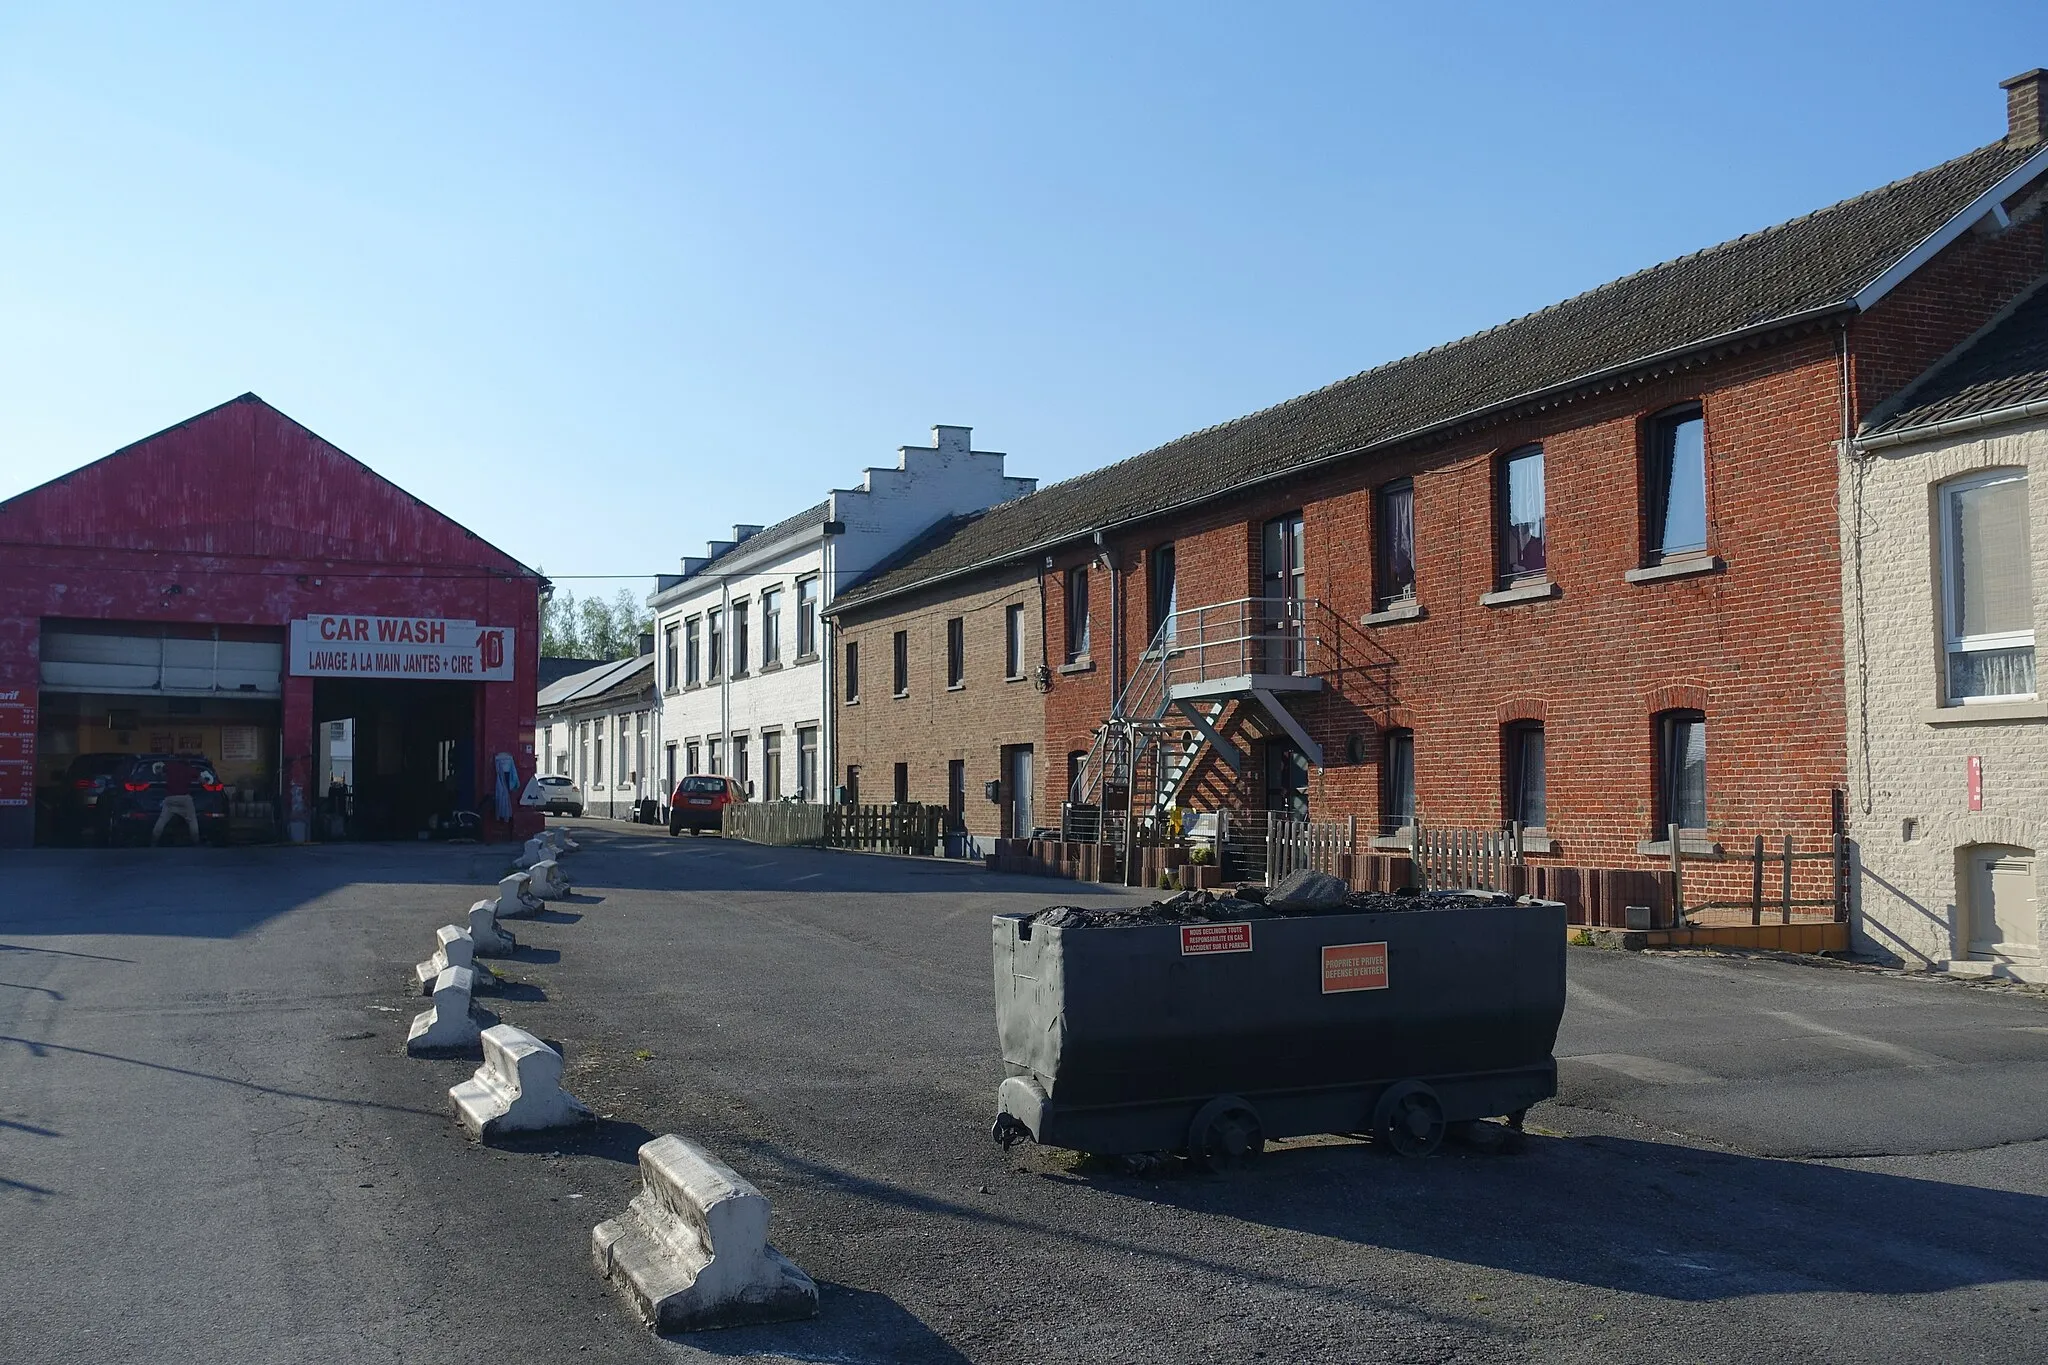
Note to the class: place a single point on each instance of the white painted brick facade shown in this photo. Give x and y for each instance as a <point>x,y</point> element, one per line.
<point>861,527</point>
<point>1901,767</point>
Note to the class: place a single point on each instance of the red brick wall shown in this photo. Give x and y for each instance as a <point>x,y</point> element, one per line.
<point>933,725</point>
<point>1944,301</point>
<point>1757,647</point>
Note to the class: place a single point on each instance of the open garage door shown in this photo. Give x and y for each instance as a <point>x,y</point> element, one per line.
<point>183,661</point>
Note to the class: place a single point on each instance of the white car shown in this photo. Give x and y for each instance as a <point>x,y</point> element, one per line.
<point>553,794</point>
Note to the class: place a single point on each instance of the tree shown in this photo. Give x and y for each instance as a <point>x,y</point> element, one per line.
<point>592,628</point>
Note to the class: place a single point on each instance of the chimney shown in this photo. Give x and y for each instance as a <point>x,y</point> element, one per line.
<point>2025,124</point>
<point>646,643</point>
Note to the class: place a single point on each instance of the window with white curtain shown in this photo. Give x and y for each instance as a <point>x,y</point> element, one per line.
<point>1987,588</point>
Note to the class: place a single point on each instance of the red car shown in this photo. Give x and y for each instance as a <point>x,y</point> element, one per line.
<point>699,802</point>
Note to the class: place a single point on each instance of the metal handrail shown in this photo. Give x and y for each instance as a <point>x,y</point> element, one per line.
<point>1234,638</point>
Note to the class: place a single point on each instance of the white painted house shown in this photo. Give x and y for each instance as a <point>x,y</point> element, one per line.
<point>596,727</point>
<point>744,666</point>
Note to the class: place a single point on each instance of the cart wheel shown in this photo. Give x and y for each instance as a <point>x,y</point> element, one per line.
<point>1225,1135</point>
<point>1409,1119</point>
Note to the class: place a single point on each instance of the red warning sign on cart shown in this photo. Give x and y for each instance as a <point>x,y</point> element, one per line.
<point>1354,967</point>
<point>1197,940</point>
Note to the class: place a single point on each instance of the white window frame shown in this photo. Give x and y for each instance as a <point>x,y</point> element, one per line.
<point>1952,642</point>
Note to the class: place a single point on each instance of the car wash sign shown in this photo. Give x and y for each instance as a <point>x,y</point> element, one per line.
<point>422,648</point>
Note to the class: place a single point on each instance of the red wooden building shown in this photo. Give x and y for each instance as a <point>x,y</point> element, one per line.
<point>237,586</point>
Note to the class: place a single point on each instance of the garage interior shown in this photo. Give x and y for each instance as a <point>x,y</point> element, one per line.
<point>394,756</point>
<point>132,688</point>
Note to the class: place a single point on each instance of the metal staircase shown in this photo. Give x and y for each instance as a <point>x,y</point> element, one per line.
<point>1202,661</point>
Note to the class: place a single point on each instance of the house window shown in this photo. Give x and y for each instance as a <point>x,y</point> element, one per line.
<point>902,784</point>
<point>1394,543</point>
<point>1077,763</point>
<point>668,767</point>
<point>1013,640</point>
<point>899,663</point>
<point>742,764</point>
<point>1077,613</point>
<point>1988,612</point>
<point>1162,595</point>
<point>1521,515</point>
<point>625,749</point>
<point>806,617</point>
<point>597,754</point>
<point>1397,781</point>
<point>672,655</point>
<point>771,626</point>
<point>771,766</point>
<point>691,753</point>
<point>853,670</point>
<point>1681,770</point>
<point>716,636</point>
<point>691,675</point>
<point>807,763</point>
<point>956,651</point>
<point>714,750</point>
<point>1522,771</point>
<point>739,640</point>
<point>1677,484</point>
<point>956,790</point>
<point>547,748</point>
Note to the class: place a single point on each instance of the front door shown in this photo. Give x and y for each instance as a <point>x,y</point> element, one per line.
<point>1286,778</point>
<point>1017,774</point>
<point>2004,916</point>
<point>1282,582</point>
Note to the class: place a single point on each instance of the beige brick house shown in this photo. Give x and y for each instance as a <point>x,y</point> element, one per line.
<point>1945,567</point>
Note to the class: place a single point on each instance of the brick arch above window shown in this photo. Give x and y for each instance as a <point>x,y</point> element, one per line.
<point>1397,718</point>
<point>1678,697</point>
<point>1520,708</point>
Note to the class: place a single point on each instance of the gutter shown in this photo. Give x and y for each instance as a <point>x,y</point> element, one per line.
<point>1810,315</point>
<point>1997,417</point>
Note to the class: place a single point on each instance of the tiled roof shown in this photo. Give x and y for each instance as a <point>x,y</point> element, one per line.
<point>2006,367</point>
<point>593,683</point>
<point>1800,269</point>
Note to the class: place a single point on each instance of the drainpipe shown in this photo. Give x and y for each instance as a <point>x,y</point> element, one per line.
<point>1108,557</point>
<point>725,673</point>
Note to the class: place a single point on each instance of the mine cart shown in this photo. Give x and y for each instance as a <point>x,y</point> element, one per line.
<point>1208,1034</point>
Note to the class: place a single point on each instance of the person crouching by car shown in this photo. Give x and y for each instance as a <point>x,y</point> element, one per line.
<point>178,780</point>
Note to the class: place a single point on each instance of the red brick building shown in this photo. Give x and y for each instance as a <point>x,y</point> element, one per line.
<point>1581,570</point>
<point>237,586</point>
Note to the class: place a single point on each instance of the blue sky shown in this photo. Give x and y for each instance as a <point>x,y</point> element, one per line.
<point>601,280</point>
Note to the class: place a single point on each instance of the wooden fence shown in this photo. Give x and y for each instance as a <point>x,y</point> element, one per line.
<point>908,828</point>
<point>1467,859</point>
<point>1295,842</point>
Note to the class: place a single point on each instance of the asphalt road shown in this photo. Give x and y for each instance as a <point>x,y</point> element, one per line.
<point>212,1149</point>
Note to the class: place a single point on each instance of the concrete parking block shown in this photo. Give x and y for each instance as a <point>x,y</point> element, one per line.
<point>691,1251</point>
<point>517,1089</point>
<point>548,883</point>
<point>516,898</point>
<point>449,1026</point>
<point>489,939</point>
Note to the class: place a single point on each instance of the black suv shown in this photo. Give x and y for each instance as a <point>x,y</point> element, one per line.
<point>82,804</point>
<point>134,801</point>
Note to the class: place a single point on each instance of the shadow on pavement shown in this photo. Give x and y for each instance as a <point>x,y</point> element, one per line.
<point>1613,1213</point>
<point>852,1324</point>
<point>607,1139</point>
<point>1639,1217</point>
